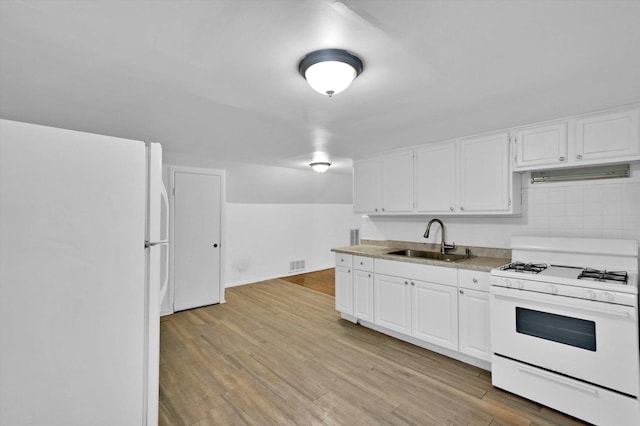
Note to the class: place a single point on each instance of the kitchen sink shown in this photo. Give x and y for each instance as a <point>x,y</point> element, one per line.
<point>447,257</point>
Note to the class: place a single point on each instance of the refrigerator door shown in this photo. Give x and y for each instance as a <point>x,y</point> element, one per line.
<point>157,272</point>
<point>72,273</point>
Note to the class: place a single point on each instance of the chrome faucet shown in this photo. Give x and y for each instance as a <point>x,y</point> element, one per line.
<point>443,246</point>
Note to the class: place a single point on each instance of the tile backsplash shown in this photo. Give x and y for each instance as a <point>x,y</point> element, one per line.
<point>601,209</point>
<point>589,209</point>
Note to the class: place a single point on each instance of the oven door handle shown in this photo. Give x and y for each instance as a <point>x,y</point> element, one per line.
<point>558,379</point>
<point>498,292</point>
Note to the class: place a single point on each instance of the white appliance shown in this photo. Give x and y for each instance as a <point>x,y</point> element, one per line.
<point>79,285</point>
<point>564,326</point>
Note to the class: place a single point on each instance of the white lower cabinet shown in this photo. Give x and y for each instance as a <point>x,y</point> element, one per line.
<point>447,307</point>
<point>434,313</point>
<point>475,339</point>
<point>344,283</point>
<point>363,288</point>
<point>363,295</point>
<point>473,314</point>
<point>344,290</point>
<point>392,299</point>
<point>425,310</point>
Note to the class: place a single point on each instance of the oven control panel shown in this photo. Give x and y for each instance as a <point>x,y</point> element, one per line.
<point>596,295</point>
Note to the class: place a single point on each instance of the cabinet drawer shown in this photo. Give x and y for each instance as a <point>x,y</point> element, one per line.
<point>344,259</point>
<point>415,271</point>
<point>363,263</point>
<point>473,280</point>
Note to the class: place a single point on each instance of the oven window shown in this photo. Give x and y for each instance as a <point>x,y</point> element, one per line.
<point>557,328</point>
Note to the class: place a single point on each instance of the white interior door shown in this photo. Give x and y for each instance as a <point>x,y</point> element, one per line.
<point>196,239</point>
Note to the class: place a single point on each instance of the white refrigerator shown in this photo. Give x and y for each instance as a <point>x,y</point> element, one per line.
<point>83,260</point>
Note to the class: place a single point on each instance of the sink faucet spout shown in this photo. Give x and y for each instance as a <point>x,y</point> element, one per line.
<point>443,245</point>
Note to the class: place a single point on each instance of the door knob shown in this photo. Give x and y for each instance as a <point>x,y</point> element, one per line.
<point>215,244</point>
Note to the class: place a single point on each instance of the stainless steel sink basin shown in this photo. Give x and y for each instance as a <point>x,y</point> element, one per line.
<point>429,255</point>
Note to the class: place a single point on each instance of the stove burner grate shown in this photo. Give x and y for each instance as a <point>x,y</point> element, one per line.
<point>532,268</point>
<point>598,275</point>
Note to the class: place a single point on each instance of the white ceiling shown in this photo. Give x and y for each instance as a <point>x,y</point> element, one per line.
<point>219,78</point>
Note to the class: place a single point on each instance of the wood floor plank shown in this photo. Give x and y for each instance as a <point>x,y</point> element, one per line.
<point>322,281</point>
<point>278,353</point>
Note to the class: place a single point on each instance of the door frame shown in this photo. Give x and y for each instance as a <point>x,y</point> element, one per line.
<point>201,171</point>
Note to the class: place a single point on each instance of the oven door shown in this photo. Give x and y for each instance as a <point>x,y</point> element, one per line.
<point>592,341</point>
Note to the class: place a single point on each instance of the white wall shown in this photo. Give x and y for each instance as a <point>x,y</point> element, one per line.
<point>263,238</point>
<point>592,209</point>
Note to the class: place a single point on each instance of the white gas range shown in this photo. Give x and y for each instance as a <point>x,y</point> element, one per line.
<point>564,326</point>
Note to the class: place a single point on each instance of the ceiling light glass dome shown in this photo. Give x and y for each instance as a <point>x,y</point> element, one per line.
<point>330,71</point>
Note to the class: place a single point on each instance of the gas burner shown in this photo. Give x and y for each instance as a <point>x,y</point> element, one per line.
<point>532,268</point>
<point>597,275</point>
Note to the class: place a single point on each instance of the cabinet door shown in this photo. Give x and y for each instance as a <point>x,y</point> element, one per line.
<point>366,186</point>
<point>435,178</point>
<point>484,174</point>
<point>541,146</point>
<point>607,136</point>
<point>397,182</point>
<point>435,314</point>
<point>363,295</point>
<point>475,337</point>
<point>344,290</point>
<point>392,303</point>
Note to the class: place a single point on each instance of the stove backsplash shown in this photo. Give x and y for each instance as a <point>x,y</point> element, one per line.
<point>589,209</point>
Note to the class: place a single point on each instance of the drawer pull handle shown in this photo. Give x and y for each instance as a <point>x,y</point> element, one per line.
<point>559,380</point>
<point>475,280</point>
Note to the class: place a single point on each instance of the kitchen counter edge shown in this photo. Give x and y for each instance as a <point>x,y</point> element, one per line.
<point>474,263</point>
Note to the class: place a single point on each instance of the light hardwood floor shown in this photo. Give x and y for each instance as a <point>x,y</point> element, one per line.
<point>323,281</point>
<point>278,354</point>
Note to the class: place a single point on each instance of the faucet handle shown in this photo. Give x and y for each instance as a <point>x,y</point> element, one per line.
<point>451,246</point>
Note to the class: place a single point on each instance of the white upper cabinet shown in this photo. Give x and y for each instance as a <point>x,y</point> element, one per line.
<point>397,182</point>
<point>541,145</point>
<point>485,175</point>
<point>475,175</point>
<point>435,178</point>
<point>586,140</point>
<point>471,176</point>
<point>384,184</point>
<point>366,186</point>
<point>607,136</point>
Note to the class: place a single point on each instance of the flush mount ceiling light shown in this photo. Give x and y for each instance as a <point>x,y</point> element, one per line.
<point>320,166</point>
<point>330,71</point>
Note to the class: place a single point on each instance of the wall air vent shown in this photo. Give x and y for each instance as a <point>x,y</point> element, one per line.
<point>296,265</point>
<point>582,173</point>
